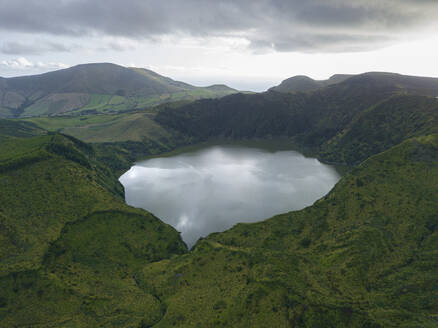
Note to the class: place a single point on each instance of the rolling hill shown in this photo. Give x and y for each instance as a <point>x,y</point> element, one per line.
<point>94,88</point>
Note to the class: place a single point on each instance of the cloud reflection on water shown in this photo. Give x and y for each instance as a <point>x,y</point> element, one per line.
<point>214,188</point>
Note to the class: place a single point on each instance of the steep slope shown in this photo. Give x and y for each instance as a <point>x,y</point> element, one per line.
<point>64,183</point>
<point>164,81</point>
<point>69,246</point>
<point>92,87</point>
<point>381,127</point>
<point>18,129</point>
<point>363,256</point>
<point>314,117</point>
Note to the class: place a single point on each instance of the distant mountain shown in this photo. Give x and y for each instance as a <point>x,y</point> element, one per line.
<point>312,119</point>
<point>419,85</point>
<point>301,83</point>
<point>94,88</point>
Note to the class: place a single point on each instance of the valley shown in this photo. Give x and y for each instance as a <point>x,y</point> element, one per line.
<point>74,254</point>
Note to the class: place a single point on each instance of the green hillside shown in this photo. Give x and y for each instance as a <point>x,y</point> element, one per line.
<point>363,256</point>
<point>118,139</point>
<point>93,89</point>
<point>69,246</point>
<point>19,129</point>
<point>381,127</point>
<point>105,128</point>
<point>73,255</point>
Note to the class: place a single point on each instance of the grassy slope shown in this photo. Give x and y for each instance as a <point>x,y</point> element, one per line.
<point>105,128</point>
<point>119,139</point>
<point>134,127</point>
<point>19,129</point>
<point>110,104</point>
<point>363,256</point>
<point>58,123</point>
<point>69,245</point>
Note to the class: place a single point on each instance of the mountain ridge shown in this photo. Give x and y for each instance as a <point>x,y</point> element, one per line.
<point>102,87</point>
<point>302,83</point>
<point>311,119</point>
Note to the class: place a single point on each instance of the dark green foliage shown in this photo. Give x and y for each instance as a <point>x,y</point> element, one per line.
<point>382,127</point>
<point>88,276</point>
<point>18,129</point>
<point>239,116</point>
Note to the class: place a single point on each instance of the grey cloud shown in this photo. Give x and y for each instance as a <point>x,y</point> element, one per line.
<point>19,48</point>
<point>22,63</point>
<point>117,46</point>
<point>313,43</point>
<point>281,25</point>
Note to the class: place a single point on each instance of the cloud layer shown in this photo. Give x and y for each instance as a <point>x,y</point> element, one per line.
<point>22,63</point>
<point>281,25</point>
<point>36,48</point>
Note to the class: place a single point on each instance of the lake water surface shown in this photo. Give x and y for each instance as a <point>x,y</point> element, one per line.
<point>213,188</point>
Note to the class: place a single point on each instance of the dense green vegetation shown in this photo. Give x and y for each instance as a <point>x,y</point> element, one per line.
<point>381,127</point>
<point>18,129</point>
<point>363,256</point>
<point>69,246</point>
<point>72,254</point>
<point>95,89</point>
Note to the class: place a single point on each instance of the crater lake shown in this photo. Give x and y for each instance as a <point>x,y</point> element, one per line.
<point>212,188</point>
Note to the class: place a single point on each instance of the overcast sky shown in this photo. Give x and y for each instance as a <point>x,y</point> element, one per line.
<point>247,44</point>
